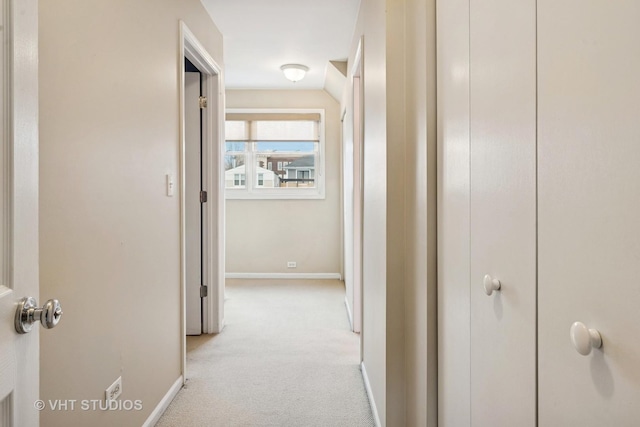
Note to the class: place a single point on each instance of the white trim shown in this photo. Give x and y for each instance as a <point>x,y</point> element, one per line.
<point>6,145</point>
<point>346,304</point>
<point>372,402</point>
<point>154,417</point>
<point>336,276</point>
<point>242,194</point>
<point>356,68</point>
<point>358,183</point>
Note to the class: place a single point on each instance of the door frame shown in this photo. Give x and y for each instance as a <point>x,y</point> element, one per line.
<point>214,209</point>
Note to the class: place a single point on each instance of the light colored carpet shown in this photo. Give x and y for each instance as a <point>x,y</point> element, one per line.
<point>286,357</point>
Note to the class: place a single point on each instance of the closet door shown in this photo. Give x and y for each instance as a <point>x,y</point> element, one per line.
<point>503,211</point>
<point>589,210</point>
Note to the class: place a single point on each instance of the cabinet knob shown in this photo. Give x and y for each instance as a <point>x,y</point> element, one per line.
<point>490,284</point>
<point>584,339</point>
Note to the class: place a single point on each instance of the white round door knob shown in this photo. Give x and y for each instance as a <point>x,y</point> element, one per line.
<point>584,339</point>
<point>490,284</point>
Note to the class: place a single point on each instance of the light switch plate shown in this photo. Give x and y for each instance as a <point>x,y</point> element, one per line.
<point>170,185</point>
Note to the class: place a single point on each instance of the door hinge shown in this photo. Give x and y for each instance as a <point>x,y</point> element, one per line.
<point>203,291</point>
<point>203,197</point>
<point>203,102</point>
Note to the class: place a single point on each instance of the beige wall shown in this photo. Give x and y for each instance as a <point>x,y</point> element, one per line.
<point>109,236</point>
<point>399,329</point>
<point>420,246</point>
<point>397,255</point>
<point>262,235</point>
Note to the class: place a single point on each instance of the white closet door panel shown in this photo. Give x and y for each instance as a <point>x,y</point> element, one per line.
<point>454,405</point>
<point>589,210</point>
<point>503,211</point>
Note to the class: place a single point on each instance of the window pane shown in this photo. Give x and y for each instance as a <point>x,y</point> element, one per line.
<point>289,170</point>
<point>284,159</point>
<point>276,130</point>
<point>234,146</point>
<point>236,131</point>
<point>234,166</point>
<point>266,177</point>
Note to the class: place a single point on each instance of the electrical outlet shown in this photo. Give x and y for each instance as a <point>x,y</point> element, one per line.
<point>114,390</point>
<point>291,264</point>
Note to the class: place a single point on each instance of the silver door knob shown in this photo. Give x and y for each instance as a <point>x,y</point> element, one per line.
<point>28,313</point>
<point>490,284</point>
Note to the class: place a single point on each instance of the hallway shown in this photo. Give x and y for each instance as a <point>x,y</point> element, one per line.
<point>285,358</point>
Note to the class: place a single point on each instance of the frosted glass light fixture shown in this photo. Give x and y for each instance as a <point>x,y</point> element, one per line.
<point>294,72</point>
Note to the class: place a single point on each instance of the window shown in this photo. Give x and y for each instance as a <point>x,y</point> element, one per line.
<point>238,180</point>
<point>280,152</point>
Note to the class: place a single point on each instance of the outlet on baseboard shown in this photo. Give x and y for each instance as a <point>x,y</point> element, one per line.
<point>114,390</point>
<point>291,264</point>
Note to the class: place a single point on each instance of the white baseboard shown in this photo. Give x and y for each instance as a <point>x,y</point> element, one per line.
<point>372,402</point>
<point>164,403</point>
<point>335,276</point>
<point>346,304</point>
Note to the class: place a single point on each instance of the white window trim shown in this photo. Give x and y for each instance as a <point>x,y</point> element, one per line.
<point>251,193</point>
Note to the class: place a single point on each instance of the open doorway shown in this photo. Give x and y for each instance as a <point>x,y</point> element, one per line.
<point>201,190</point>
<point>283,301</point>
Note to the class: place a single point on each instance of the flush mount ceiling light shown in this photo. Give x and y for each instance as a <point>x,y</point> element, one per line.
<point>294,72</point>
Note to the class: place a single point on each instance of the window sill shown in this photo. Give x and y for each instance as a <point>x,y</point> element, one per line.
<point>259,195</point>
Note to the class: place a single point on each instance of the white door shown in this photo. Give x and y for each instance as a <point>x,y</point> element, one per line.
<point>348,217</point>
<point>503,212</point>
<point>19,353</point>
<point>352,172</point>
<point>589,210</point>
<point>358,183</point>
<point>193,214</point>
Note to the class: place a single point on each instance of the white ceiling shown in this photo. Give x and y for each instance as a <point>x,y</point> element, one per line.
<point>262,35</point>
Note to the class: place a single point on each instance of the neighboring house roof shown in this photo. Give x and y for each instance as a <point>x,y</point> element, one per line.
<point>302,162</point>
<point>238,169</point>
<point>265,171</point>
<point>241,169</point>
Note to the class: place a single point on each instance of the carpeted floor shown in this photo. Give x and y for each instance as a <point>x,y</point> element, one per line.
<point>285,358</point>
